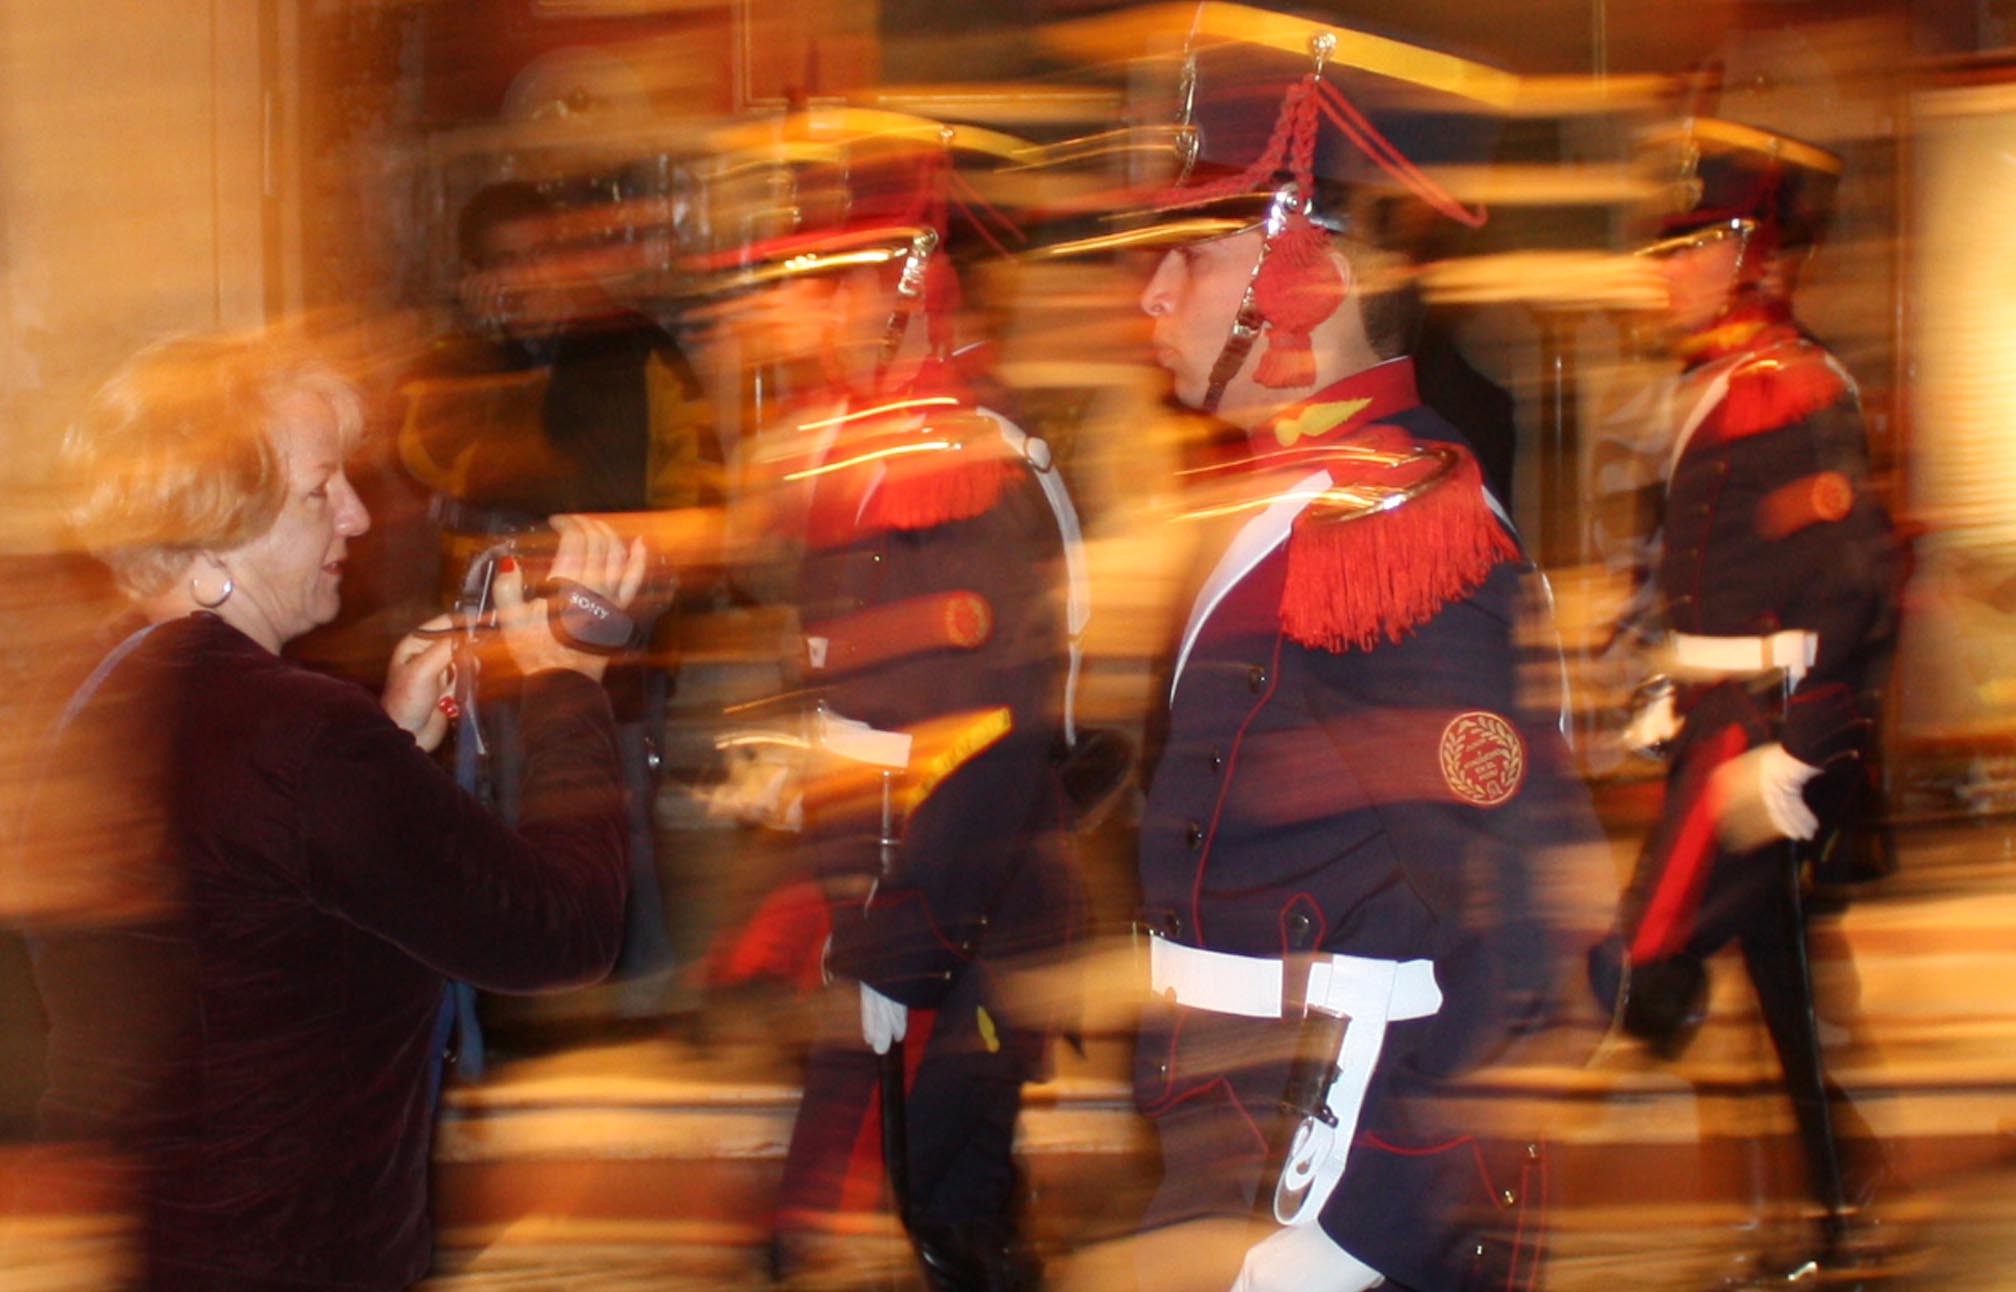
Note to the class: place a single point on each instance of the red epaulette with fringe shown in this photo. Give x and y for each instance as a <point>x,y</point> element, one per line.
<point>953,468</point>
<point>936,486</point>
<point>1356,578</point>
<point>1777,388</point>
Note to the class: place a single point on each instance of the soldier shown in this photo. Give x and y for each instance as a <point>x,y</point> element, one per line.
<point>937,638</point>
<point>1777,574</point>
<point>1345,825</point>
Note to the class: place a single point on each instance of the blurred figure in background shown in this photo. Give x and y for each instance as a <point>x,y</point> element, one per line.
<point>618,406</point>
<point>1344,834</point>
<point>270,876</point>
<point>937,638</point>
<point>555,393</point>
<point>1777,577</point>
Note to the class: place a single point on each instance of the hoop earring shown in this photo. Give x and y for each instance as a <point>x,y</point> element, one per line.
<point>196,594</point>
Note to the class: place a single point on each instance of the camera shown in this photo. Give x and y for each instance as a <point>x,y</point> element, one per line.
<point>581,617</point>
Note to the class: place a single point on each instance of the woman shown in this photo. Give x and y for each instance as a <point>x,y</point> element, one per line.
<point>281,879</point>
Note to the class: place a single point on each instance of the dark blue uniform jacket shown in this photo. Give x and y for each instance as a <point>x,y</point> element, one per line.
<point>1391,799</point>
<point>932,602</point>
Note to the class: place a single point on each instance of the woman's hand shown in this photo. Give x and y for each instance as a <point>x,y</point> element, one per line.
<point>420,683</point>
<point>590,554</point>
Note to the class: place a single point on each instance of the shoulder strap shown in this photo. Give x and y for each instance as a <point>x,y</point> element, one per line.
<point>1077,575</point>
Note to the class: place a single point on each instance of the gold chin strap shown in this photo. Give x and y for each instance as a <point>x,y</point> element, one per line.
<point>1247,323</point>
<point>909,298</point>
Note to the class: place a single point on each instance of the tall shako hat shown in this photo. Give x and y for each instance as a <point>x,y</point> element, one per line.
<point>1320,156</point>
<point>858,187</point>
<point>845,189</point>
<point>1776,191</point>
<point>1303,129</point>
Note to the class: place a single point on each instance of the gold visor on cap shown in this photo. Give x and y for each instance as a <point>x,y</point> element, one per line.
<point>1720,231</point>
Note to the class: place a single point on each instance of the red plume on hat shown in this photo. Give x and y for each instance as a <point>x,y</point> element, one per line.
<point>947,201</point>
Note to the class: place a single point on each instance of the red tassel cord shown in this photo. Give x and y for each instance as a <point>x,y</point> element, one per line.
<point>1294,106</point>
<point>1297,286</point>
<point>941,302</point>
<point>1365,136</point>
<point>1295,291</point>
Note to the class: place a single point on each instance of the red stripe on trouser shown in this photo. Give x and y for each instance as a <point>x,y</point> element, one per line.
<point>862,1187</point>
<point>1669,916</point>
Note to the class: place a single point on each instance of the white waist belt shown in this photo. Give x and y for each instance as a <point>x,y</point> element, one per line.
<point>1793,650</point>
<point>858,742</point>
<point>1252,986</point>
<point>1369,992</point>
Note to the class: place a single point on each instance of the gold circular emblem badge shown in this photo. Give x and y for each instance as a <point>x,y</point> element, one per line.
<point>969,621</point>
<point>1832,495</point>
<point>1483,759</point>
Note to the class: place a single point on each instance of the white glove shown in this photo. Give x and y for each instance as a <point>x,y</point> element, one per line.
<point>884,1022</point>
<point>1759,791</point>
<point>1653,725</point>
<point>761,787</point>
<point>1302,1258</point>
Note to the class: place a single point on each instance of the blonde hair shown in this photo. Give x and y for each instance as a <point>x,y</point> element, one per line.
<point>175,454</point>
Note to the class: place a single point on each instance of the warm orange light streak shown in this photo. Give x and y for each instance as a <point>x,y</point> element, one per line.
<point>921,447</point>
<point>929,401</point>
<point>1252,504</point>
<point>1364,497</point>
<point>761,739</point>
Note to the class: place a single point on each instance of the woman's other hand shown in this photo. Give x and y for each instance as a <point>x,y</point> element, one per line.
<point>591,554</point>
<point>420,682</point>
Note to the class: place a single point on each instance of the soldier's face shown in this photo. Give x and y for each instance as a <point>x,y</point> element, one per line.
<point>790,321</point>
<point>854,319</point>
<point>1700,281</point>
<point>837,318</point>
<point>1193,298</point>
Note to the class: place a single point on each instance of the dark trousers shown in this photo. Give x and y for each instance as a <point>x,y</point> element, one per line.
<point>963,1096</point>
<point>1423,1196</point>
<point>1689,898</point>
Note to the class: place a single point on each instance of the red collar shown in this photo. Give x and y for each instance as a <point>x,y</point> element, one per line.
<point>1754,325</point>
<point>1338,411</point>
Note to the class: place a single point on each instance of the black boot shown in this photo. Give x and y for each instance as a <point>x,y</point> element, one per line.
<point>1852,1253</point>
<point>976,1256</point>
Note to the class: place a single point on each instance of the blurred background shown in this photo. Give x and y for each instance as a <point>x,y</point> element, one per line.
<point>189,164</point>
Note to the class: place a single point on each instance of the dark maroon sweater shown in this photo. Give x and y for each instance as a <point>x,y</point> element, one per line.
<point>260,1043</point>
